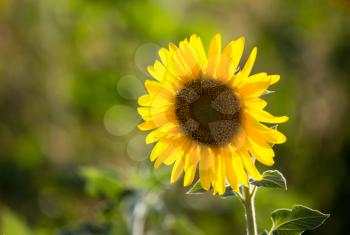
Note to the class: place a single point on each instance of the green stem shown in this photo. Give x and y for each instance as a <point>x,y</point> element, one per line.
<point>249,196</point>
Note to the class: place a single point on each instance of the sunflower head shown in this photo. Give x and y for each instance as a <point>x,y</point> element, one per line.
<point>205,113</point>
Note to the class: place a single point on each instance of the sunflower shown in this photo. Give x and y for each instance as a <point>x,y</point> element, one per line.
<point>204,111</point>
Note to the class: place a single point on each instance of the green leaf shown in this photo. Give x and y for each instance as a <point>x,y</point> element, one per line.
<point>271,179</point>
<point>197,189</point>
<point>296,221</point>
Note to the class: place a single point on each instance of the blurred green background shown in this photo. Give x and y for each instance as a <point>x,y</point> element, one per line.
<point>72,161</point>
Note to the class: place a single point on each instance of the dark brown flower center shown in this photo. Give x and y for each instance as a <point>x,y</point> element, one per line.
<point>208,111</point>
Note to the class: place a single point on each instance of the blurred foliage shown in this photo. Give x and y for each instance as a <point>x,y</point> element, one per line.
<point>67,66</point>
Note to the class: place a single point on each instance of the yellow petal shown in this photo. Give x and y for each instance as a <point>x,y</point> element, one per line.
<point>264,116</point>
<point>262,153</point>
<point>230,173</point>
<point>189,58</point>
<point>230,59</point>
<point>214,56</point>
<point>153,100</point>
<point>193,155</point>
<point>149,113</point>
<point>190,173</point>
<point>239,140</point>
<point>197,45</point>
<point>250,167</point>
<point>259,77</point>
<point>253,90</point>
<point>205,164</point>
<point>155,117</point>
<point>158,88</point>
<point>149,125</point>
<point>190,166</point>
<point>220,176</point>
<point>237,51</point>
<point>162,74</point>
<point>177,149</point>
<point>255,103</point>
<point>237,79</point>
<point>249,64</point>
<point>158,148</point>
<point>168,151</point>
<point>177,65</point>
<point>182,147</point>
<point>238,168</point>
<point>263,132</point>
<point>165,73</point>
<point>215,174</point>
<point>168,129</point>
<point>177,170</point>
<point>274,79</point>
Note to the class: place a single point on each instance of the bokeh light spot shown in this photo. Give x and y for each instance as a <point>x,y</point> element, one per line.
<point>137,149</point>
<point>145,56</point>
<point>120,120</point>
<point>130,87</point>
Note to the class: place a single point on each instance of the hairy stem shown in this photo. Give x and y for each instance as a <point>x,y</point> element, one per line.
<point>249,196</point>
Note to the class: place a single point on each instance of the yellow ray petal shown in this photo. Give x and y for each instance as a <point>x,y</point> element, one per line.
<point>169,129</point>
<point>190,166</point>
<point>263,154</point>
<point>178,65</point>
<point>182,147</point>
<point>255,103</point>
<point>149,113</point>
<point>205,164</point>
<point>239,140</point>
<point>154,87</point>
<point>189,58</point>
<point>177,170</point>
<point>149,125</point>
<point>263,132</point>
<point>274,79</point>
<point>190,173</point>
<point>230,173</point>
<point>166,54</point>
<point>237,51</point>
<point>253,90</point>
<point>154,100</point>
<point>215,174</point>
<point>177,149</point>
<point>238,168</point>
<point>193,156</point>
<point>249,64</point>
<point>170,150</point>
<point>250,167</point>
<point>158,148</point>
<point>180,58</point>
<point>259,77</point>
<point>197,45</point>
<point>162,74</point>
<point>263,116</point>
<point>214,56</point>
<point>157,71</point>
<point>229,59</point>
<point>155,117</point>
<point>236,79</point>
<point>152,124</point>
<point>220,183</point>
